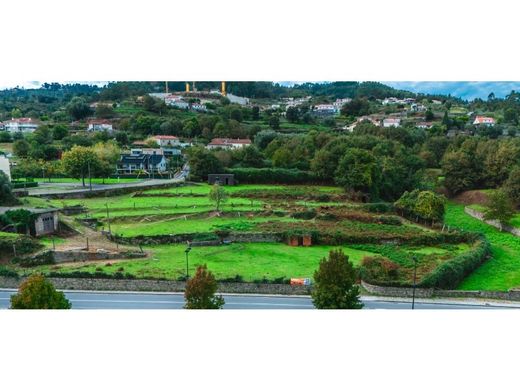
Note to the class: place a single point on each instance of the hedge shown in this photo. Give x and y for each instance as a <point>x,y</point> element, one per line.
<point>24,184</point>
<point>451,273</point>
<point>273,176</point>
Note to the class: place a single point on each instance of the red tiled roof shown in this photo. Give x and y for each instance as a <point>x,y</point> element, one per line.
<point>229,141</point>
<point>99,122</point>
<point>21,120</point>
<point>484,119</point>
<point>165,137</point>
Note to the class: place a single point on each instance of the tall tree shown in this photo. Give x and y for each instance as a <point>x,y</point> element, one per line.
<point>500,208</point>
<point>78,108</point>
<point>217,195</point>
<point>200,291</point>
<point>335,283</point>
<point>78,161</point>
<point>38,293</point>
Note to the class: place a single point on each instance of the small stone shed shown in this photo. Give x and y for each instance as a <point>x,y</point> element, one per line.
<point>223,179</point>
<point>45,221</point>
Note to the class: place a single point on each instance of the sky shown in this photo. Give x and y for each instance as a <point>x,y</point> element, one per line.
<point>467,90</point>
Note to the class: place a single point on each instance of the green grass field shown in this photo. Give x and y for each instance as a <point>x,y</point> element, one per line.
<point>252,261</point>
<point>502,271</point>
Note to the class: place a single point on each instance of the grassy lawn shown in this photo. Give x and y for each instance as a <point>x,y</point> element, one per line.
<point>502,271</point>
<point>251,261</point>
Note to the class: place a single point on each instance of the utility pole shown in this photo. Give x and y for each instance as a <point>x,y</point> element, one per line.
<point>89,177</point>
<point>108,219</point>
<point>414,280</point>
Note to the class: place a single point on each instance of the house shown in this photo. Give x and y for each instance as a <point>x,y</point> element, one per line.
<point>169,144</point>
<point>484,120</point>
<point>4,166</point>
<point>228,143</point>
<point>391,122</point>
<point>341,102</point>
<point>198,107</point>
<point>415,107</point>
<point>424,125</point>
<point>243,101</point>
<point>226,179</point>
<point>167,141</point>
<point>45,220</point>
<point>147,160</point>
<point>325,110</point>
<point>20,125</point>
<point>99,125</point>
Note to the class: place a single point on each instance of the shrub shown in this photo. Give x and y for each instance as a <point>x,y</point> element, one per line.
<point>379,270</point>
<point>273,175</point>
<point>379,207</point>
<point>43,258</point>
<point>451,273</point>
<point>8,272</point>
<point>307,214</point>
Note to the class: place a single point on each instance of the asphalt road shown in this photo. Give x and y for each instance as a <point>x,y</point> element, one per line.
<point>105,300</point>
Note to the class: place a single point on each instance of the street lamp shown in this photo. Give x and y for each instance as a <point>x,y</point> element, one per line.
<point>414,280</point>
<point>188,249</point>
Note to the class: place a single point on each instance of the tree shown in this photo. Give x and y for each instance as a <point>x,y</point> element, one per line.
<point>78,108</point>
<point>255,113</point>
<point>78,161</point>
<point>202,162</point>
<point>6,194</point>
<point>274,122</point>
<point>335,283</point>
<point>292,114</point>
<point>500,208</point>
<point>200,291</point>
<point>218,195</point>
<point>38,293</point>
<point>59,132</point>
<point>356,107</point>
<point>358,171</point>
<point>428,115</point>
<point>21,148</point>
<point>104,111</point>
<point>108,155</point>
<point>512,186</point>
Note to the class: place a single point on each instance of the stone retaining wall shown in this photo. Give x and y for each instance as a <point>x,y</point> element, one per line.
<point>407,292</point>
<point>480,216</point>
<point>158,286</point>
<point>183,238</point>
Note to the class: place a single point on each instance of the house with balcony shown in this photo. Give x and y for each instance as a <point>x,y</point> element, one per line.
<point>148,160</point>
<point>228,143</point>
<point>21,125</point>
<point>99,125</point>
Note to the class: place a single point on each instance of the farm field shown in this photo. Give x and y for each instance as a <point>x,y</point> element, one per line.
<point>192,225</point>
<point>502,271</point>
<point>252,261</point>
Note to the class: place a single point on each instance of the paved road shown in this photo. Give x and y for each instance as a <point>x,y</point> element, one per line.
<point>50,188</point>
<point>103,300</point>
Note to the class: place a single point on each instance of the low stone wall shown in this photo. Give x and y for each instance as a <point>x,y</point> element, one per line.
<point>73,256</point>
<point>159,286</point>
<point>407,292</point>
<point>183,238</point>
<point>480,216</point>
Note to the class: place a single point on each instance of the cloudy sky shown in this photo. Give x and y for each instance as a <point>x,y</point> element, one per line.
<point>464,89</point>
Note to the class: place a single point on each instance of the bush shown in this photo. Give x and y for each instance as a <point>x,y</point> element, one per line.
<point>379,207</point>
<point>379,270</point>
<point>8,272</point>
<point>273,175</point>
<point>307,214</point>
<point>24,184</point>
<point>43,258</point>
<point>451,273</point>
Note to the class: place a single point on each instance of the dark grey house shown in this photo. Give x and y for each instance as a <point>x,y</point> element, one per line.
<point>223,179</point>
<point>147,160</point>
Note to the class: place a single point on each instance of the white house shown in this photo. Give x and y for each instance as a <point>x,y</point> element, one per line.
<point>228,143</point>
<point>424,125</point>
<point>22,125</point>
<point>325,110</point>
<point>169,144</point>
<point>484,120</point>
<point>99,125</point>
<point>391,122</point>
<point>4,166</point>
